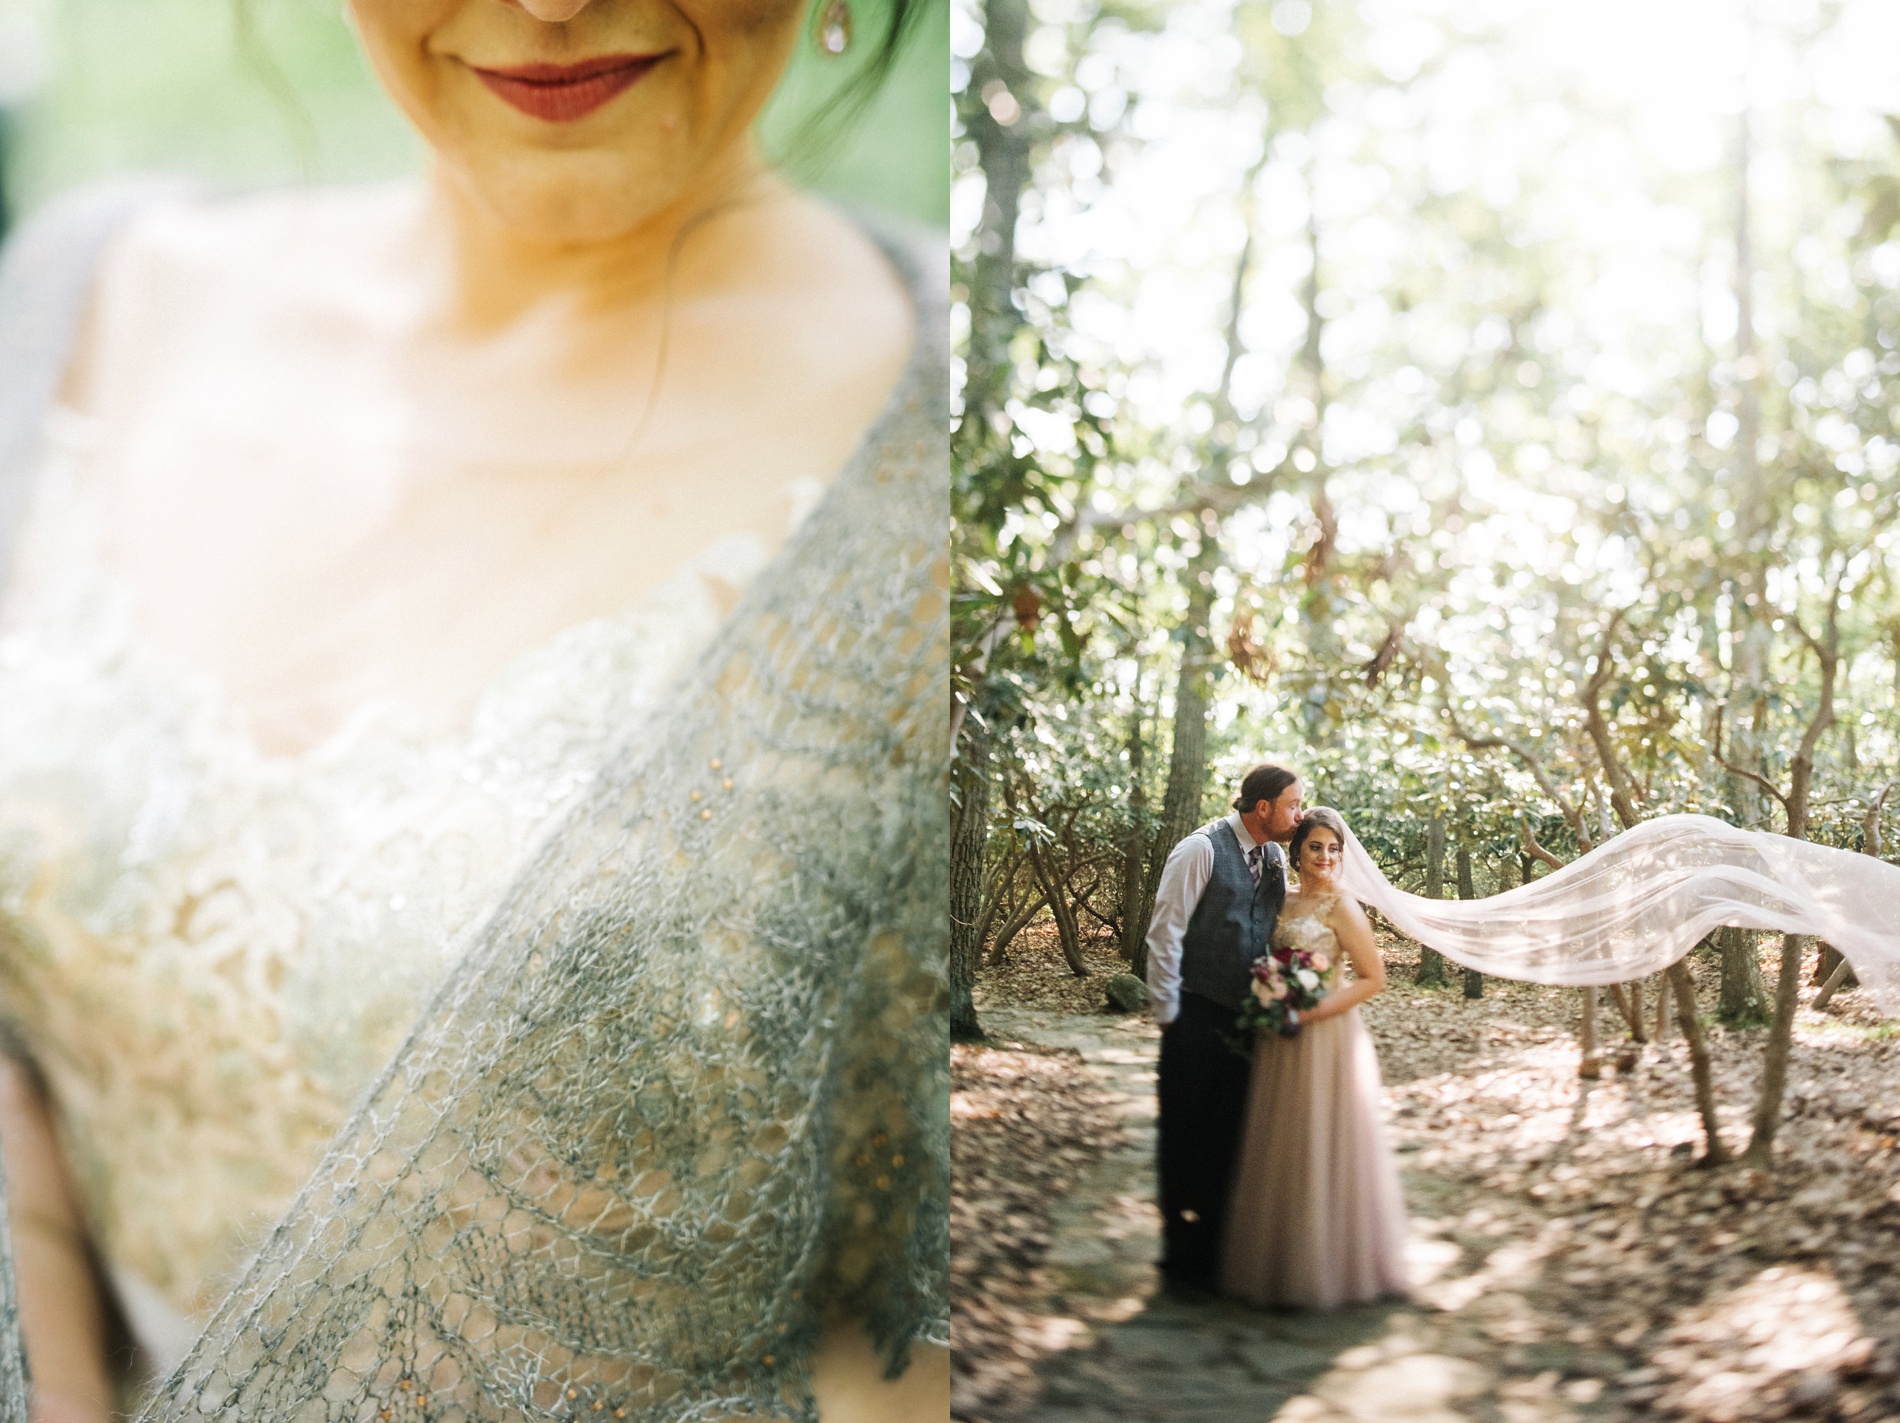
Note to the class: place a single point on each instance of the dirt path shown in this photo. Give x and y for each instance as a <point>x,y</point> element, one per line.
<point>1568,1263</point>
<point>1133,1355</point>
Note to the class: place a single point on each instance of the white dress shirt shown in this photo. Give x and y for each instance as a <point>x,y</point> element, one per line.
<point>1183,880</point>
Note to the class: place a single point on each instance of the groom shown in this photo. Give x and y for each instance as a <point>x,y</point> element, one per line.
<point>1219,897</point>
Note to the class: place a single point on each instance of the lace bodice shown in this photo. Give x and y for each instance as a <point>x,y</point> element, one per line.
<point>210,951</point>
<point>1306,929</point>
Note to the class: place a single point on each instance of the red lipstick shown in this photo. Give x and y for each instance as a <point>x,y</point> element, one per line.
<point>562,93</point>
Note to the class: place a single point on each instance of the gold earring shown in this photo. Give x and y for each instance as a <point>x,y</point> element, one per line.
<point>834,27</point>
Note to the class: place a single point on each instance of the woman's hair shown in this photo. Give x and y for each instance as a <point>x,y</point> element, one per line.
<point>1263,782</point>
<point>1320,817</point>
<point>901,19</point>
<point>811,144</point>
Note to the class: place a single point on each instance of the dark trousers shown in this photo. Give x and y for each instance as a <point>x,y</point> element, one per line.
<point>1202,1085</point>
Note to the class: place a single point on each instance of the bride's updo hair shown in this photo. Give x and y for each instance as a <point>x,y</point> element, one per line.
<point>1263,782</point>
<point>1320,817</point>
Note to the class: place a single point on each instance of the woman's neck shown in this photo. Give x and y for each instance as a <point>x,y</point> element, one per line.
<point>490,274</point>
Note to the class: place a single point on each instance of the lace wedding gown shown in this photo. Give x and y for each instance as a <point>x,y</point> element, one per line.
<point>211,951</point>
<point>568,1083</point>
<point>1318,1216</point>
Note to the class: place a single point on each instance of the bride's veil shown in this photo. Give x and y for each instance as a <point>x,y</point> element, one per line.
<point>1638,903</point>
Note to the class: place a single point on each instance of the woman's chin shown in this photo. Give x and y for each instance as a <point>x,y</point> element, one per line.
<point>573,198</point>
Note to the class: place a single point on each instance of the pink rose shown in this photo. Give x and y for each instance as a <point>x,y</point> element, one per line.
<point>1321,962</point>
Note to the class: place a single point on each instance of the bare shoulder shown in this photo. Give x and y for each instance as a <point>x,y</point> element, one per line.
<point>833,253</point>
<point>855,310</point>
<point>1348,914</point>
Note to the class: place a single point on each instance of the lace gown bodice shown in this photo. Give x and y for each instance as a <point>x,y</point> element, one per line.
<point>1305,928</point>
<point>210,951</point>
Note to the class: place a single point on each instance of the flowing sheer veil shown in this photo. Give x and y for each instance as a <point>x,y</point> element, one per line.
<point>1640,902</point>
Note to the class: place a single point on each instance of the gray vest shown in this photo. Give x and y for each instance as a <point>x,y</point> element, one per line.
<point>1232,925</point>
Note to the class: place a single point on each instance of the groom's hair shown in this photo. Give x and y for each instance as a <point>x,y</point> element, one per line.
<point>1263,782</point>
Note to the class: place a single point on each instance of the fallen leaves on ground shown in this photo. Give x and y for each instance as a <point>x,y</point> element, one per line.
<point>1035,975</point>
<point>1580,1248</point>
<point>1587,1241</point>
<point>1024,1124</point>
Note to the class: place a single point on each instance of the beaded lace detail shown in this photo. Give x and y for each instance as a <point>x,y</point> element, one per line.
<point>214,950</point>
<point>1309,931</point>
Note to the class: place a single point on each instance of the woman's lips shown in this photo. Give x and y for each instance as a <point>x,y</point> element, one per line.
<point>562,93</point>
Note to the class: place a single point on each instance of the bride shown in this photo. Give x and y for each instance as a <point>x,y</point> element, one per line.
<point>1318,1216</point>
<point>471,659</point>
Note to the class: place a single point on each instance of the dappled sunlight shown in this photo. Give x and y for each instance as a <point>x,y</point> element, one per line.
<point>1025,1126</point>
<point>1565,1256</point>
<point>1562,1220</point>
<point>1789,1332</point>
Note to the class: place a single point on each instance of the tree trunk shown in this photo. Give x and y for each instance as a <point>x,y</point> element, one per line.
<point>1136,902</point>
<point>1619,995</point>
<point>1825,964</point>
<point>1003,152</point>
<point>1431,963</point>
<point>1744,997</point>
<point>1774,1073</point>
<point>1588,1066</point>
<point>1774,1067</point>
<point>1832,984</point>
<point>1320,604</point>
<point>1713,1152</point>
<point>1187,759</point>
<point>998,896</point>
<point>1018,921</point>
<point>1474,981</point>
<point>1059,909</point>
<point>966,879</point>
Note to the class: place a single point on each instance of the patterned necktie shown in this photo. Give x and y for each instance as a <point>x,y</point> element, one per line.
<point>1255,857</point>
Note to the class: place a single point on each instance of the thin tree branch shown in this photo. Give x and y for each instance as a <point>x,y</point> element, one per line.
<point>1721,713</point>
<point>1572,815</point>
<point>1533,848</point>
<point>1621,797</point>
<point>1870,824</point>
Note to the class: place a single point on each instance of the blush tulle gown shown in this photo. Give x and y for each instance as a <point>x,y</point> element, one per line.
<point>1318,1216</point>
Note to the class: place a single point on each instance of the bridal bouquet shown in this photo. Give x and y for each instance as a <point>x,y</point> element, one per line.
<point>1286,984</point>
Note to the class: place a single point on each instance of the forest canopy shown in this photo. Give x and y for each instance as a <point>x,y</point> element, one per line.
<point>1487,408</point>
